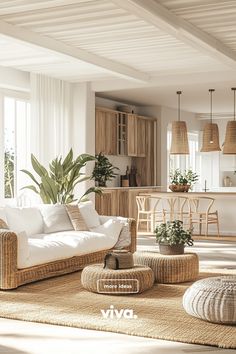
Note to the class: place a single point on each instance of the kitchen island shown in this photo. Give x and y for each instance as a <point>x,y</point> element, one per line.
<point>122,201</point>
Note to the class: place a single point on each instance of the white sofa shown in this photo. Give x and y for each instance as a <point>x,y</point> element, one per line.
<point>41,242</point>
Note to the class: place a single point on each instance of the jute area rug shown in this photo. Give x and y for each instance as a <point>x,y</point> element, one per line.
<point>63,301</point>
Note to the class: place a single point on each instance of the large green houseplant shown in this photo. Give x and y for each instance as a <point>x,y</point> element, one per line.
<point>56,185</point>
<point>172,237</point>
<point>104,170</point>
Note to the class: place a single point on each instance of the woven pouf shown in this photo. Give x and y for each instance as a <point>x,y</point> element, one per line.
<point>117,282</point>
<point>170,269</point>
<point>212,299</point>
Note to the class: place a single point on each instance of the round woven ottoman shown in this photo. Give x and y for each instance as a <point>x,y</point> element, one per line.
<point>117,282</point>
<point>170,269</point>
<point>212,299</point>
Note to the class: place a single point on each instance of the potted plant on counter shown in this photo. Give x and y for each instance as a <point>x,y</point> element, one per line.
<point>104,170</point>
<point>182,182</point>
<point>172,237</point>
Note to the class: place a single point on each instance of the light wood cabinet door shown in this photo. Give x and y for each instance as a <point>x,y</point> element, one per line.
<point>106,203</point>
<point>111,133</point>
<point>132,135</point>
<point>123,200</point>
<point>141,137</point>
<point>106,132</point>
<point>150,153</point>
<point>100,134</point>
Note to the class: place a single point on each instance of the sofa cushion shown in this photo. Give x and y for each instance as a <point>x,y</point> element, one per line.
<point>55,218</point>
<point>89,214</point>
<point>111,228</point>
<point>76,218</point>
<point>44,248</point>
<point>24,219</point>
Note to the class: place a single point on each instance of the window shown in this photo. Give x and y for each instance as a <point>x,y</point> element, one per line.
<point>15,122</point>
<point>184,162</point>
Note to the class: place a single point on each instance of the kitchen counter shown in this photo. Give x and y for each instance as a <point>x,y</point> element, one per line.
<point>159,189</point>
<point>225,204</point>
<point>122,201</point>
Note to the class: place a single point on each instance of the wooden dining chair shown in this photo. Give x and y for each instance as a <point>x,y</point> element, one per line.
<point>150,211</point>
<point>176,208</point>
<point>200,209</point>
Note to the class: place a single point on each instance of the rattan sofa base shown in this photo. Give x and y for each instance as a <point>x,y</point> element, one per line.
<point>11,277</point>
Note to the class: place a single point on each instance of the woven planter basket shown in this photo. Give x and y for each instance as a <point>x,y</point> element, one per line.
<point>210,133</point>
<point>230,138</point>
<point>179,187</point>
<point>179,141</point>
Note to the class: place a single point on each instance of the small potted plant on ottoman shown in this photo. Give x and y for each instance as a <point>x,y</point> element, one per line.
<point>172,237</point>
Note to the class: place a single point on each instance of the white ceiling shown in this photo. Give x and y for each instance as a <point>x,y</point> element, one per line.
<point>133,50</point>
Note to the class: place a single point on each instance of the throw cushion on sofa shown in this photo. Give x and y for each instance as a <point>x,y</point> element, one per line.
<point>55,218</point>
<point>89,214</point>
<point>76,218</point>
<point>3,225</point>
<point>27,219</point>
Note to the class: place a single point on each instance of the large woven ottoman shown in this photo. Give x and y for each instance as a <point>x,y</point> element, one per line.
<point>212,299</point>
<point>170,269</point>
<point>97,279</point>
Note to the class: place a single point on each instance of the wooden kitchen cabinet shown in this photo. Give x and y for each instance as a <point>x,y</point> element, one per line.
<point>146,165</point>
<point>141,137</point>
<point>132,135</point>
<point>136,137</point>
<point>106,203</point>
<point>120,202</point>
<point>106,132</point>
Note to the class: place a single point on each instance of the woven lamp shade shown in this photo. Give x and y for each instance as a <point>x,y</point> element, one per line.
<point>211,138</point>
<point>230,138</point>
<point>179,141</point>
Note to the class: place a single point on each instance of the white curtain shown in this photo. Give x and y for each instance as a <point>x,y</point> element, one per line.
<point>50,117</point>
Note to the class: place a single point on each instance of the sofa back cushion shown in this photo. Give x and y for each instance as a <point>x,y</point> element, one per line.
<point>24,219</point>
<point>55,218</point>
<point>89,214</point>
<point>76,218</point>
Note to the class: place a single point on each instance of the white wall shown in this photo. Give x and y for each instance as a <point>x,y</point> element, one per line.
<point>14,79</point>
<point>83,128</point>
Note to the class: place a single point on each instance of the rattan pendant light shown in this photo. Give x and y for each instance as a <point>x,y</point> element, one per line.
<point>179,140</point>
<point>230,136</point>
<point>211,133</point>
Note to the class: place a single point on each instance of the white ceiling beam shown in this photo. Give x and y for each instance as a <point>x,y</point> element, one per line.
<point>72,53</point>
<point>156,14</point>
<point>173,80</point>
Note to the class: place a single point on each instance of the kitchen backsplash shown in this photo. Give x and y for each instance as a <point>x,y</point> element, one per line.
<point>121,162</point>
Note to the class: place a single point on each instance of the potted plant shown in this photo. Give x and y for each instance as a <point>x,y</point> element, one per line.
<point>172,237</point>
<point>104,170</point>
<point>56,185</point>
<point>182,182</point>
